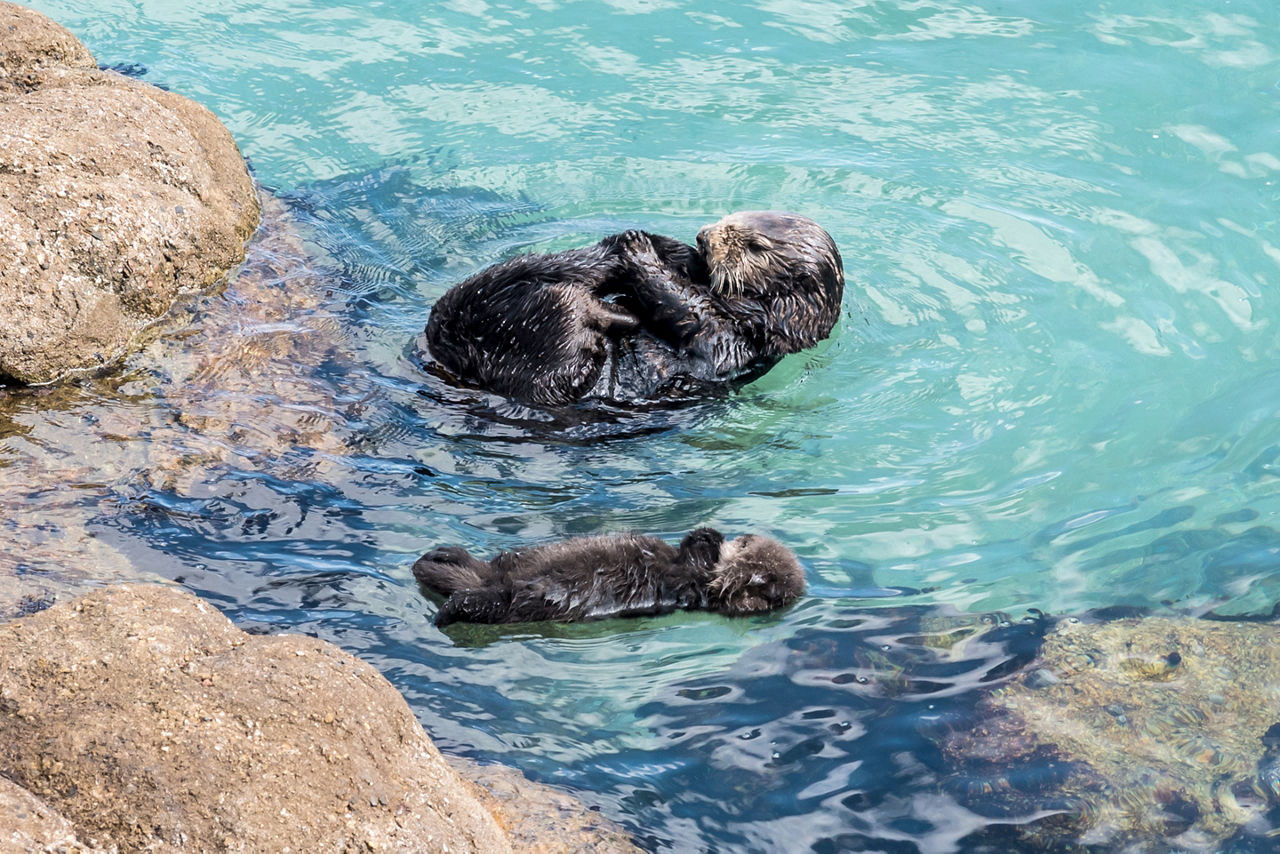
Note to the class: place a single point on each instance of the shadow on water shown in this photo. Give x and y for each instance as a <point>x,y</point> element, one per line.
<point>477,635</point>
<point>827,740</point>
<point>490,416</point>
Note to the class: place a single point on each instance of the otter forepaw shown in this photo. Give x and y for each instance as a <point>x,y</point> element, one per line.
<point>635,243</point>
<point>701,547</point>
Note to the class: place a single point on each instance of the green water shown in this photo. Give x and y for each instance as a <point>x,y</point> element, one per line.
<point>1055,383</point>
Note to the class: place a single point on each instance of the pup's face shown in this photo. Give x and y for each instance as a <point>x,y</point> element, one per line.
<point>755,574</point>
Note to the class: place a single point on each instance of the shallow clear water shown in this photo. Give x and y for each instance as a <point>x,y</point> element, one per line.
<point>1055,383</point>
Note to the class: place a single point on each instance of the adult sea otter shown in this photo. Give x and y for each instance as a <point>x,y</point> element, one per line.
<point>641,317</point>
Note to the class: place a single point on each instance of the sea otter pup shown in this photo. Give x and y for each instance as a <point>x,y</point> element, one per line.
<point>617,575</point>
<point>640,316</point>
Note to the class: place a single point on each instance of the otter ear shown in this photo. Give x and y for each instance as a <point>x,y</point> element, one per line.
<point>701,548</point>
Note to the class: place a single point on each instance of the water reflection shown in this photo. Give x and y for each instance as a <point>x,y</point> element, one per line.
<point>866,692</point>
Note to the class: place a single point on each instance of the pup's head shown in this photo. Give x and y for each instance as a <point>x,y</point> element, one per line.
<point>754,574</point>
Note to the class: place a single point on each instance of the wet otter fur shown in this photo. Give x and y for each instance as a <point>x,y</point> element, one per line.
<point>616,575</point>
<point>539,328</point>
<point>639,316</point>
<point>775,282</point>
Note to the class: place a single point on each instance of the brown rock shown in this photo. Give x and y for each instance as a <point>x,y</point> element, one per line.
<point>30,43</point>
<point>151,722</point>
<point>29,824</point>
<point>540,820</point>
<point>115,198</point>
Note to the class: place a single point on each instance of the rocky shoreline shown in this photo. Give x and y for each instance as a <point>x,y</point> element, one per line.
<point>136,717</point>
<point>149,721</point>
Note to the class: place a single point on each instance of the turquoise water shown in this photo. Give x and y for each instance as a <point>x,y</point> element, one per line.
<point>1055,383</point>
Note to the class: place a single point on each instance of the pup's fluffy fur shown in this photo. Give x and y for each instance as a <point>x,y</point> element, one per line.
<point>617,575</point>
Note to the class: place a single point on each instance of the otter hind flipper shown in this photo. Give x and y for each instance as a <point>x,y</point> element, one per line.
<point>449,569</point>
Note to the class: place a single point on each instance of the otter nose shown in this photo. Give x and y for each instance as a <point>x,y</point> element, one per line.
<point>702,239</point>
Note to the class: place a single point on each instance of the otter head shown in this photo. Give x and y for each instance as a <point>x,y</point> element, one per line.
<point>753,251</point>
<point>754,574</point>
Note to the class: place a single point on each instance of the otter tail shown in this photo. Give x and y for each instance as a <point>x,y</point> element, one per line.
<point>449,569</point>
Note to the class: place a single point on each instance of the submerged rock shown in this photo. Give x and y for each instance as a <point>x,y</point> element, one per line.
<point>115,198</point>
<point>235,387</point>
<point>150,722</point>
<point>1139,734</point>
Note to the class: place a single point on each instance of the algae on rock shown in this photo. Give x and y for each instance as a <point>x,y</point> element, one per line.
<point>1152,727</point>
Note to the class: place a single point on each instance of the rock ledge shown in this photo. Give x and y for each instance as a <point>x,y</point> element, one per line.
<point>115,198</point>
<point>150,722</point>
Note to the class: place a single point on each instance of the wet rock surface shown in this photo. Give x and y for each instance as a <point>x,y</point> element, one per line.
<point>115,198</point>
<point>229,383</point>
<point>1139,734</point>
<point>150,722</point>
<point>541,820</point>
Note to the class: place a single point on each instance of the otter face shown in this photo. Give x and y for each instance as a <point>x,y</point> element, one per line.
<point>749,250</point>
<point>754,574</point>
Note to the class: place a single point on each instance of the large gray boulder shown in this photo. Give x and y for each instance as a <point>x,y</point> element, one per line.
<point>115,198</point>
<point>150,722</point>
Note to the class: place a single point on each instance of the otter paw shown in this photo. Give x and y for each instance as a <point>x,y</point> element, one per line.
<point>701,547</point>
<point>635,240</point>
